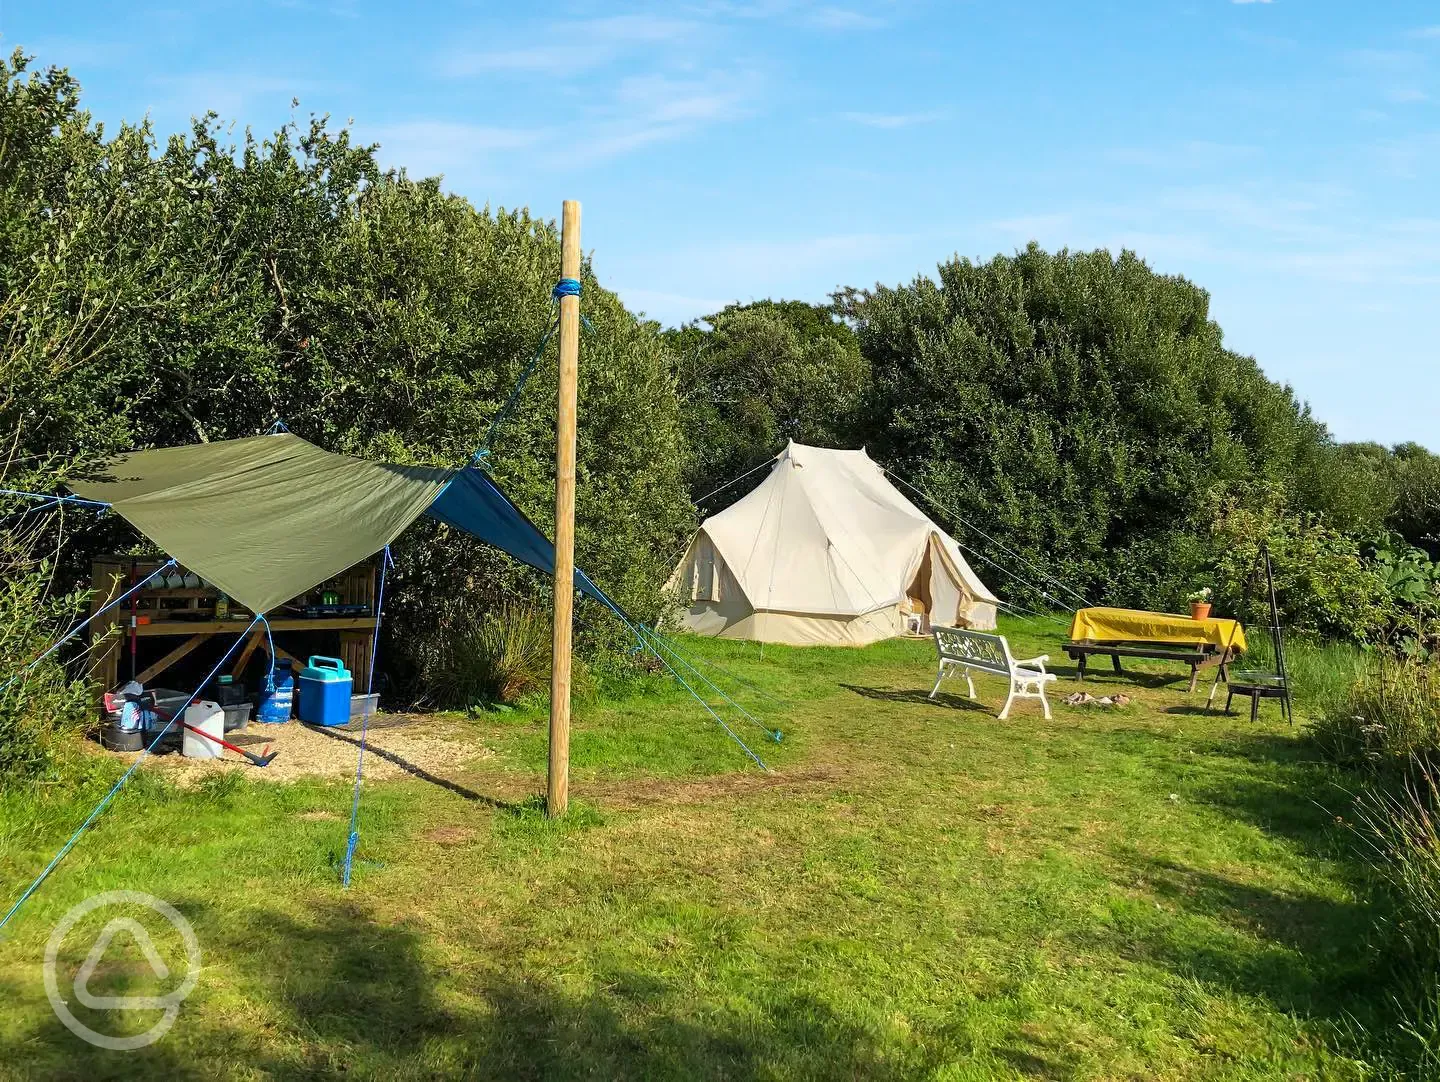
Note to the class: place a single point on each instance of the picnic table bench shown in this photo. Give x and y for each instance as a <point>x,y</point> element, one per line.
<point>1117,633</point>
<point>1197,658</point>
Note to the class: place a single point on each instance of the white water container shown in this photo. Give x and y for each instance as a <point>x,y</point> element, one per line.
<point>209,717</point>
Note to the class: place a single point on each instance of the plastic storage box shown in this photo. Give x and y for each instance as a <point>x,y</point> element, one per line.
<point>323,692</point>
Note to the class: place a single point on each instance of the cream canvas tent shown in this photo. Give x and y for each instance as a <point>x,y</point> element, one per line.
<point>826,550</point>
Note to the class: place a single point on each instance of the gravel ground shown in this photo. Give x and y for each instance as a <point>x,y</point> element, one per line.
<point>415,746</point>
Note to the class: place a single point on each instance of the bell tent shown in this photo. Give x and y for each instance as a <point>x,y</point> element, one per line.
<point>825,550</point>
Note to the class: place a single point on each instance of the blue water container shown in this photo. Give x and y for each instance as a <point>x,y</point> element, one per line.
<point>277,695</point>
<point>324,695</point>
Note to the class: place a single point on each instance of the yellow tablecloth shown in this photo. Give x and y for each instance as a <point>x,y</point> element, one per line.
<point>1133,625</point>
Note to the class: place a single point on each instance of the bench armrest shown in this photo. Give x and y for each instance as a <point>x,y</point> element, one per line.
<point>1037,662</point>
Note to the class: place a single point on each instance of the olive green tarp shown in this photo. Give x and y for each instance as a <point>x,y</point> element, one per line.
<point>264,518</point>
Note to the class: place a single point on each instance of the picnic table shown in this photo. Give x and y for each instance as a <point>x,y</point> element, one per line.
<point>1164,636</point>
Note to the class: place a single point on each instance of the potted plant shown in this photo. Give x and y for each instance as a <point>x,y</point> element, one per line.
<point>1200,603</point>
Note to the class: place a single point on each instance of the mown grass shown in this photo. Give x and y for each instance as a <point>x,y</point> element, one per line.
<point>916,890</point>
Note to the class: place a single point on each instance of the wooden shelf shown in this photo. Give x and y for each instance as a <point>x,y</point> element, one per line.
<point>165,608</point>
<point>223,627</point>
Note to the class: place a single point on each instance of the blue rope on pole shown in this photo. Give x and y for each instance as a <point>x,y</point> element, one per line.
<point>105,800</point>
<point>354,838</point>
<point>83,623</point>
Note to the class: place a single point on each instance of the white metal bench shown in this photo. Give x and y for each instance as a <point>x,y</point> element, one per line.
<point>965,651</point>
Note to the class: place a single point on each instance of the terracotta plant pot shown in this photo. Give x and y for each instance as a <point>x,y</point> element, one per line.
<point>1199,610</point>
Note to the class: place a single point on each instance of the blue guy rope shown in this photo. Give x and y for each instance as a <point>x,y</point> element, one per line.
<point>669,647</point>
<point>83,623</point>
<point>105,800</point>
<point>646,644</point>
<point>270,640</point>
<point>731,676</point>
<point>565,287</point>
<point>354,838</point>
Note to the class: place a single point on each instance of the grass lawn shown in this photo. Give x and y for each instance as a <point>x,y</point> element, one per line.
<point>917,890</point>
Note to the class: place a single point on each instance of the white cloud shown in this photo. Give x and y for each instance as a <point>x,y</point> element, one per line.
<point>894,120</point>
<point>672,309</point>
<point>439,147</point>
<point>1423,32</point>
<point>1251,1</point>
<point>1189,155</point>
<point>655,108</point>
<point>829,18</point>
<point>581,45</point>
<point>1406,95</point>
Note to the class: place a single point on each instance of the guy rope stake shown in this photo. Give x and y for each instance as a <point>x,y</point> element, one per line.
<point>557,789</point>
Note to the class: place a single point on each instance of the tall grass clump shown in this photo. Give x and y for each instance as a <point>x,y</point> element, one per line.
<point>1399,823</point>
<point>477,658</point>
<point>1321,671</point>
<point>1388,719</point>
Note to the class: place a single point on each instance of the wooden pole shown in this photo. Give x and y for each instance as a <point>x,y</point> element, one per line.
<point>557,791</point>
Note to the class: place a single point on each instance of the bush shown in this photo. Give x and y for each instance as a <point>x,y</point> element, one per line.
<point>1077,406</point>
<point>1324,585</point>
<point>43,705</point>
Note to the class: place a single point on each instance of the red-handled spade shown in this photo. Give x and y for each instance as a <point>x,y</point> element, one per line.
<point>263,759</point>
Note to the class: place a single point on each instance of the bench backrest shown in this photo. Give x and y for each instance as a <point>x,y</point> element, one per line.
<point>976,649</point>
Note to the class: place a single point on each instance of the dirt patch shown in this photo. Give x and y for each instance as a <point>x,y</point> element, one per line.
<point>449,835</point>
<point>422,747</point>
<point>661,791</point>
<point>316,816</point>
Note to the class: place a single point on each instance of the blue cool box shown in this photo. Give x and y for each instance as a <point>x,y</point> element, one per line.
<point>322,694</point>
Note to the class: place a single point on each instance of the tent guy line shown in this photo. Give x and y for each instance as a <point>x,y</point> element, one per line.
<point>352,841</point>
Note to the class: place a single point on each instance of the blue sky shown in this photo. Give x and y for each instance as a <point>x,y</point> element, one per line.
<point>1285,155</point>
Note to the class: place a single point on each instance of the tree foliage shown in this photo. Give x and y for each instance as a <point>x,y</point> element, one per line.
<point>753,376</point>
<point>1084,410</point>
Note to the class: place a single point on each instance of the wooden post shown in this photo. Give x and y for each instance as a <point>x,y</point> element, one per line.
<point>557,792</point>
